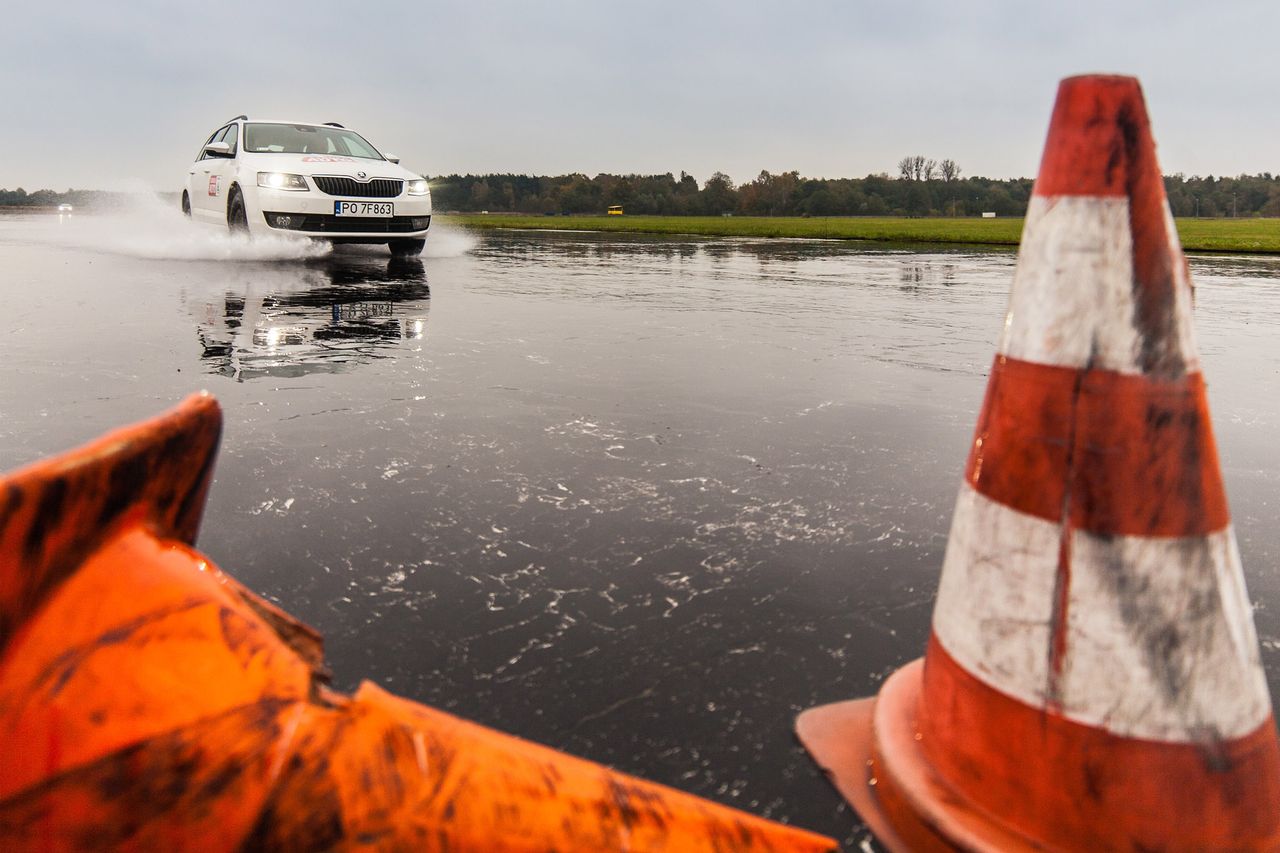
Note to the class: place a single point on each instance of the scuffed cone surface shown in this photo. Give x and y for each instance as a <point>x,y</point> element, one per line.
<point>1094,677</point>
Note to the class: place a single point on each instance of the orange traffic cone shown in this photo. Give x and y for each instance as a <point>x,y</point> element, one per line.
<point>1092,681</point>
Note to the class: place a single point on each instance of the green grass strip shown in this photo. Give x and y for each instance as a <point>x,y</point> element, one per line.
<point>1259,236</point>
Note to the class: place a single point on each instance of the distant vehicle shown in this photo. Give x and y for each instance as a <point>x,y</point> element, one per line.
<point>65,208</point>
<point>315,180</point>
<point>615,210</point>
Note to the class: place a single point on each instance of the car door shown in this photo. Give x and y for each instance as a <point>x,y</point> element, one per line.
<point>205,181</point>
<point>222,171</point>
<point>198,179</point>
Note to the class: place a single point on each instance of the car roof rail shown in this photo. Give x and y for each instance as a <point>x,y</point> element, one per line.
<point>333,124</point>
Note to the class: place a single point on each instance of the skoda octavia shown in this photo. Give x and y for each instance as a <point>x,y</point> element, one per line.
<point>314,180</point>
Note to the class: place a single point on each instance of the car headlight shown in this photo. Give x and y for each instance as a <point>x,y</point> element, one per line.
<point>418,188</point>
<point>282,181</point>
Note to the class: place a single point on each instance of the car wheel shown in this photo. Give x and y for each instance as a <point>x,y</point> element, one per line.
<point>406,248</point>
<point>186,204</point>
<point>237,217</point>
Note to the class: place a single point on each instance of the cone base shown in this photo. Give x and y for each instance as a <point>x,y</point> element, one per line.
<point>838,737</point>
<point>869,750</point>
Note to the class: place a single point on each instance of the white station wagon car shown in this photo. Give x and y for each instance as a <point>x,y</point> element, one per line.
<point>314,180</point>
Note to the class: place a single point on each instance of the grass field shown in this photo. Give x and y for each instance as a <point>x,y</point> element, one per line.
<point>1198,235</point>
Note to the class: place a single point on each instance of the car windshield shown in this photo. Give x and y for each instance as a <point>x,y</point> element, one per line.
<point>306,139</point>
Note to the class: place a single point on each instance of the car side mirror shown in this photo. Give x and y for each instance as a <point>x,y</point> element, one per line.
<point>218,149</point>
<point>391,158</point>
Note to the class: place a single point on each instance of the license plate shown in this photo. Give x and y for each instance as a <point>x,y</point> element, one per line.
<point>363,208</point>
<point>361,310</point>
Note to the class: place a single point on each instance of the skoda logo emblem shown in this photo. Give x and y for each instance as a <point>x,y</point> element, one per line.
<point>360,175</point>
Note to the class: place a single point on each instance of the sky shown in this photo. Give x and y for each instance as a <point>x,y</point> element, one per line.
<point>120,95</point>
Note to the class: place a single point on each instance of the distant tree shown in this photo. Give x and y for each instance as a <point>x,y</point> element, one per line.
<point>1000,200</point>
<point>821,203</point>
<point>769,194</point>
<point>876,206</point>
<point>907,168</point>
<point>929,170</point>
<point>919,200</point>
<point>580,195</point>
<point>876,185</point>
<point>718,194</point>
<point>950,171</point>
<point>1272,206</point>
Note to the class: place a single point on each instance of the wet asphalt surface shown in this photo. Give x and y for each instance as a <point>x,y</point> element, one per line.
<point>639,499</point>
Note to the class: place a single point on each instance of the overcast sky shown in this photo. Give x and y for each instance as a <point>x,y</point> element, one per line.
<point>108,95</point>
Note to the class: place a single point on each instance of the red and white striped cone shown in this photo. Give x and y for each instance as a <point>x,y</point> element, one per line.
<point>1093,680</point>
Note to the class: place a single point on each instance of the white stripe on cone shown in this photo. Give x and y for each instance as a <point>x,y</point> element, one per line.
<point>1072,303</point>
<point>1195,674</point>
<point>995,599</point>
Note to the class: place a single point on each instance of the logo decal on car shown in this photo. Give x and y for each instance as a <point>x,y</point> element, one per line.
<point>214,181</point>
<point>325,158</point>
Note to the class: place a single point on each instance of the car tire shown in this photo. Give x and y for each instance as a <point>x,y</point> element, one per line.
<point>186,204</point>
<point>237,216</point>
<point>406,248</point>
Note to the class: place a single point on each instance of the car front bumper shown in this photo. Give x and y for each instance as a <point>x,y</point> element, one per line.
<point>312,215</point>
<point>348,228</point>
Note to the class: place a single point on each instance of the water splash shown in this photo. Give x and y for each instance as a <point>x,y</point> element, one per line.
<point>144,226</point>
<point>446,242</point>
<point>442,242</point>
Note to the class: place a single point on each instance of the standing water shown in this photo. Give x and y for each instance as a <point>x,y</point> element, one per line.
<point>639,499</point>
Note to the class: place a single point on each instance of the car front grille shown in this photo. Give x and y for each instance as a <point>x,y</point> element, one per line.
<point>326,224</point>
<point>376,188</point>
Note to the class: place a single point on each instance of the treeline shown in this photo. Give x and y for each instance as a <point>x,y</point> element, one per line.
<point>920,190</point>
<point>783,194</point>
<point>789,194</point>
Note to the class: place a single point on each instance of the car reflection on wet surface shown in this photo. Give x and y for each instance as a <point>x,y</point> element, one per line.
<point>639,499</point>
<point>339,315</point>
